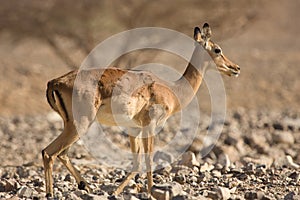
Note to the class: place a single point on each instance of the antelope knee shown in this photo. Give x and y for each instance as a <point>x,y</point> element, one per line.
<point>46,157</point>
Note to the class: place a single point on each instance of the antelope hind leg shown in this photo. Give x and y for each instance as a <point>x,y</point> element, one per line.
<point>61,143</point>
<point>135,147</point>
<point>82,184</point>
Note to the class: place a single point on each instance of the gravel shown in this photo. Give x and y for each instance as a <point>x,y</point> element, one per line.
<point>256,157</point>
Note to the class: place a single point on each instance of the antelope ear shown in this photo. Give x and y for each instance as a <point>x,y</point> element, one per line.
<point>206,32</point>
<point>197,34</point>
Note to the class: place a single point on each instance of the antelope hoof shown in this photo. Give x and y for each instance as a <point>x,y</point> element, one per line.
<point>49,195</point>
<point>83,186</point>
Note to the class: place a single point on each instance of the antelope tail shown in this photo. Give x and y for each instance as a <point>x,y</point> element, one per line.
<point>55,100</point>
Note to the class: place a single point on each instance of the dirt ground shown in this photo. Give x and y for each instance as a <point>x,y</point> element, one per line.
<point>260,36</point>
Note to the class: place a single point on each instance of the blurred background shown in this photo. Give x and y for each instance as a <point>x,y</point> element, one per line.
<point>41,40</point>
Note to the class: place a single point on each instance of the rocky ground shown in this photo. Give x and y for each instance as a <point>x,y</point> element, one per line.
<point>256,157</point>
<point>258,153</point>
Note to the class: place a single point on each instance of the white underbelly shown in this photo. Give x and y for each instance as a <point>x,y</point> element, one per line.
<point>110,119</point>
<point>115,113</point>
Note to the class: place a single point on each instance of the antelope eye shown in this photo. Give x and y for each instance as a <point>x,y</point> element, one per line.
<point>217,51</point>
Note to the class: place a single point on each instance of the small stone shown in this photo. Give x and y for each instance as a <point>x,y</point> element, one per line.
<point>225,162</point>
<point>290,196</point>
<point>189,159</point>
<point>263,160</point>
<point>229,140</point>
<point>8,185</point>
<point>193,179</point>
<point>250,195</point>
<point>163,167</point>
<point>232,153</point>
<point>160,194</point>
<point>132,197</point>
<point>236,196</point>
<point>13,198</point>
<point>237,115</point>
<point>108,187</point>
<point>240,146</point>
<point>232,190</point>
<point>25,192</point>
<point>176,189</point>
<point>68,178</point>
<point>212,194</point>
<point>2,186</point>
<point>22,172</point>
<point>92,197</point>
<point>218,166</point>
<point>278,126</point>
<point>283,137</point>
<point>261,195</point>
<point>242,176</point>
<point>289,162</point>
<point>250,167</point>
<point>80,193</point>
<point>71,195</point>
<point>258,141</point>
<point>295,176</point>
<point>181,197</point>
<point>29,164</point>
<point>143,195</point>
<point>181,169</point>
<point>160,155</point>
<point>216,173</point>
<point>223,192</point>
<point>166,191</point>
<point>206,167</point>
<point>58,194</point>
<point>261,171</point>
<point>196,145</point>
<point>180,179</point>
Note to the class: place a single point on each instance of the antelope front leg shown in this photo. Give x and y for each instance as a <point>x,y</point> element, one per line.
<point>135,149</point>
<point>148,148</point>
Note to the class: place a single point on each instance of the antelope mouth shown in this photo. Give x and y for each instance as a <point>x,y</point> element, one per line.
<point>235,73</point>
<point>231,71</point>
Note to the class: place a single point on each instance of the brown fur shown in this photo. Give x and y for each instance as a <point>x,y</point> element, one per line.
<point>128,98</point>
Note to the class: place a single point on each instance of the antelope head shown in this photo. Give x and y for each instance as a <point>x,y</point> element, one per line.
<point>223,64</point>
